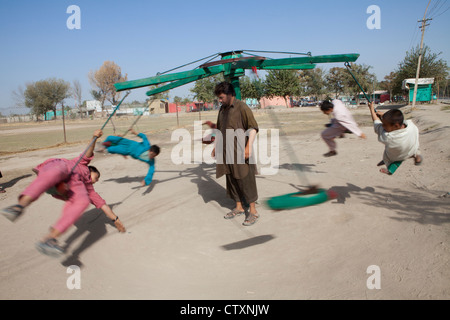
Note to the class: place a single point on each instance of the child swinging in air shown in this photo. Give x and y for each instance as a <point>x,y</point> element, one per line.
<point>74,180</point>
<point>400,137</point>
<point>142,151</point>
<point>341,123</point>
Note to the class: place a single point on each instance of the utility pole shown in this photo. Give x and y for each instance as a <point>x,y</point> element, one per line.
<point>424,21</point>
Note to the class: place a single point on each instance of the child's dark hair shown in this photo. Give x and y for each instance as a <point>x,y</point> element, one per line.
<point>326,105</point>
<point>154,148</point>
<point>94,169</point>
<point>394,117</point>
<point>224,87</point>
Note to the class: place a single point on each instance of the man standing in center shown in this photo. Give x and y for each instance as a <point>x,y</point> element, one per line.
<point>236,118</point>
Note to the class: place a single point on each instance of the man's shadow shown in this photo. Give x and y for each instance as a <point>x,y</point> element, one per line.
<point>208,188</point>
<point>92,222</point>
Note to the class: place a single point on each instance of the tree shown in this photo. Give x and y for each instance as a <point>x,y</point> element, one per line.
<point>252,89</point>
<point>282,83</point>
<point>339,80</point>
<point>388,82</point>
<point>336,79</point>
<point>19,97</point>
<point>103,81</point>
<point>177,100</point>
<point>97,95</point>
<point>366,79</point>
<point>431,67</point>
<point>76,94</point>
<point>45,95</point>
<point>312,82</point>
<point>186,100</point>
<point>203,89</point>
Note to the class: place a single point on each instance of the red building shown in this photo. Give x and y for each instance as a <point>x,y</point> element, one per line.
<point>190,107</point>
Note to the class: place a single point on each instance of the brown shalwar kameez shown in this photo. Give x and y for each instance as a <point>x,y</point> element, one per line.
<point>240,173</point>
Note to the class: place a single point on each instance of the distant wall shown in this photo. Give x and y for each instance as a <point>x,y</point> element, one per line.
<point>275,101</point>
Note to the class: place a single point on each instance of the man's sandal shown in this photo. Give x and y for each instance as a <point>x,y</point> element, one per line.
<point>251,219</point>
<point>233,213</point>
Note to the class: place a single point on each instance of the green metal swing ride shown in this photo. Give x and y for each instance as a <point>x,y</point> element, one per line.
<point>233,65</point>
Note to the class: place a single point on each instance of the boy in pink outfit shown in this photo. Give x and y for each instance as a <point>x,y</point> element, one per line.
<point>341,123</point>
<point>74,187</point>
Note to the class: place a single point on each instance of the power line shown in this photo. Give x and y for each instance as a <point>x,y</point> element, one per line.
<point>414,37</point>
<point>434,7</point>
<point>441,13</point>
<point>436,10</point>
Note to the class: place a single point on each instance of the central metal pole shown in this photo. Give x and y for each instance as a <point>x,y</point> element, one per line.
<point>232,75</point>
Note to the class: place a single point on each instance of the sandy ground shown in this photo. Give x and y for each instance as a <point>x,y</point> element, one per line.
<point>179,246</point>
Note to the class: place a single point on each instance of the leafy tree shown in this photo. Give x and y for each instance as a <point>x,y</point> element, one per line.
<point>45,95</point>
<point>364,77</point>
<point>253,89</point>
<point>312,82</point>
<point>282,83</point>
<point>203,89</point>
<point>340,81</point>
<point>186,100</point>
<point>177,100</point>
<point>388,82</point>
<point>431,67</point>
<point>98,96</point>
<point>336,79</point>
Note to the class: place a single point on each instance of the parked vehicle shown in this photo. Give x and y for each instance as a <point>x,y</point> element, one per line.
<point>309,103</point>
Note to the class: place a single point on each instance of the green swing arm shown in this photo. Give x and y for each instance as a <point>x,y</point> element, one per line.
<point>347,65</point>
<point>104,125</point>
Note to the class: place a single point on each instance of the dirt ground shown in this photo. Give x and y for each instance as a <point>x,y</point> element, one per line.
<point>179,246</point>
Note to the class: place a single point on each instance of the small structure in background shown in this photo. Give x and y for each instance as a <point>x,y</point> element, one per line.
<point>424,90</point>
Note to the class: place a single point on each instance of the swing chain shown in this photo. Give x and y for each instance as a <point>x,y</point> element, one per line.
<point>348,66</point>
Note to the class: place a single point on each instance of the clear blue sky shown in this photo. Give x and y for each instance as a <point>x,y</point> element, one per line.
<point>146,37</point>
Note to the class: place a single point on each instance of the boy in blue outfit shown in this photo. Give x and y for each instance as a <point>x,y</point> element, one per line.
<point>142,151</point>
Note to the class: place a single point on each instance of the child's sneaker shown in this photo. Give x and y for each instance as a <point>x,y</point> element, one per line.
<point>50,248</point>
<point>13,212</point>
